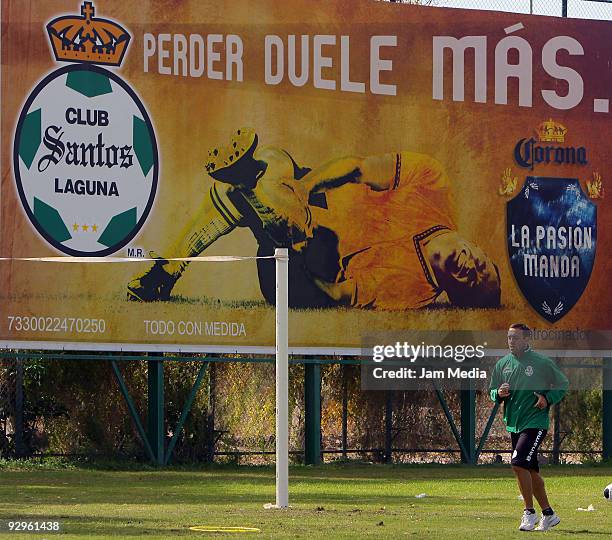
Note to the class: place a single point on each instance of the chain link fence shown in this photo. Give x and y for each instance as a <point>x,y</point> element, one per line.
<point>577,9</point>
<point>11,411</point>
<point>7,401</point>
<point>73,408</point>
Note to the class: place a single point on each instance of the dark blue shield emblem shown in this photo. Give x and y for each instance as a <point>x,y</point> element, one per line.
<point>552,237</point>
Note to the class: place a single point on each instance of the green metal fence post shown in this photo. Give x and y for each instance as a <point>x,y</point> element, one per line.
<point>468,421</point>
<point>132,409</point>
<point>185,412</point>
<point>607,409</point>
<point>211,439</point>
<point>155,417</point>
<point>388,426</point>
<point>451,422</point>
<point>556,447</point>
<point>312,404</point>
<point>19,450</point>
<point>344,410</point>
<point>485,433</point>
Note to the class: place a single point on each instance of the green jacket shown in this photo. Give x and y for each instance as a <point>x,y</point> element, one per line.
<point>530,372</point>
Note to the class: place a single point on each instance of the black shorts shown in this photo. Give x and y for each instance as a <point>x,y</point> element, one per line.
<point>525,447</point>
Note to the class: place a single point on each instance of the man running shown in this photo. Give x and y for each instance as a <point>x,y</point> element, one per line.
<point>528,383</point>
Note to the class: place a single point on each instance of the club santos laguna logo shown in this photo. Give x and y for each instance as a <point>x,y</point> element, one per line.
<point>85,155</point>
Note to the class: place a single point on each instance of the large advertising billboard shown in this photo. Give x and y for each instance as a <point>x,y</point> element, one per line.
<point>427,168</point>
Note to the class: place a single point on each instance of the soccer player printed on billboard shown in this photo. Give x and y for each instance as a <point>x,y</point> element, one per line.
<point>528,383</point>
<point>375,232</point>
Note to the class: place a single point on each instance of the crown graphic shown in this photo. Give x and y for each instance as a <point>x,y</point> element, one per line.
<point>551,131</point>
<point>88,39</point>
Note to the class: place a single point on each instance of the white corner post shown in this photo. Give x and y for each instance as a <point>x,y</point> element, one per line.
<point>282,377</point>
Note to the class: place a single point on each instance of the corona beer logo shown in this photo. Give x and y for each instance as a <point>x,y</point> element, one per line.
<point>85,154</point>
<point>551,131</point>
<point>529,152</point>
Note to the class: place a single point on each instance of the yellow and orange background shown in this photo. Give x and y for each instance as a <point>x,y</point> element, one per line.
<point>474,141</point>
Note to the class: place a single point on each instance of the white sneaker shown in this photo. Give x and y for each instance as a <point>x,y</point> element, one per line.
<point>528,521</point>
<point>548,522</point>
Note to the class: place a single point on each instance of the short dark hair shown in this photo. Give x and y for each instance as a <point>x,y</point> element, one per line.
<point>522,326</point>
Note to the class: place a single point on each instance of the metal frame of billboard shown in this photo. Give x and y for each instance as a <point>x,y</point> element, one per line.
<point>263,350</point>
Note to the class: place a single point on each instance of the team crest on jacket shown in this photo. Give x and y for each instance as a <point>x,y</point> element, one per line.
<point>85,155</point>
<point>529,371</point>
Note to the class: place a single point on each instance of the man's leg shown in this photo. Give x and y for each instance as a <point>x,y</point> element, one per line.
<point>304,292</point>
<point>525,484</point>
<point>529,519</point>
<point>215,217</point>
<point>522,464</point>
<point>538,489</point>
<point>549,517</point>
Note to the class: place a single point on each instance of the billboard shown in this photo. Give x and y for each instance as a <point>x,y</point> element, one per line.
<point>427,168</point>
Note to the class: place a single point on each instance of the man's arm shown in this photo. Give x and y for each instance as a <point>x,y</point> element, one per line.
<point>377,172</point>
<point>343,292</point>
<point>559,385</point>
<point>495,384</point>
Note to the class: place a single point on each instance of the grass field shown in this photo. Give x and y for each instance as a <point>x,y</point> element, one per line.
<point>331,501</point>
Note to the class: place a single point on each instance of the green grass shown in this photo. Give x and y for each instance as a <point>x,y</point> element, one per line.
<point>331,501</point>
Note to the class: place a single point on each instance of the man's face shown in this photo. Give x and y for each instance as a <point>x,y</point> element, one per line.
<point>517,340</point>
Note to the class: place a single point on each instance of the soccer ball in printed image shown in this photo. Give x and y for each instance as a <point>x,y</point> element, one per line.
<point>608,493</point>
